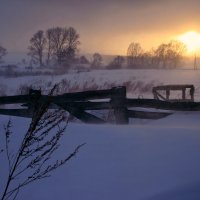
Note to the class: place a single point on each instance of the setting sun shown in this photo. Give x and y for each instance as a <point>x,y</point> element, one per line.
<point>191,40</point>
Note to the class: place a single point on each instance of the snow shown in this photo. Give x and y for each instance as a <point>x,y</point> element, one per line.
<point>151,160</point>
<point>139,82</point>
<point>156,160</point>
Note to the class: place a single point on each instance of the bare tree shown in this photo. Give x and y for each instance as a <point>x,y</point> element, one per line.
<point>134,54</point>
<point>176,52</point>
<point>72,43</point>
<point>97,61</point>
<point>161,54</point>
<point>169,55</point>
<point>58,44</point>
<point>37,48</point>
<point>33,160</point>
<point>62,44</point>
<point>147,59</point>
<point>3,52</point>
<point>84,60</point>
<point>49,45</point>
<point>58,41</point>
<point>117,63</point>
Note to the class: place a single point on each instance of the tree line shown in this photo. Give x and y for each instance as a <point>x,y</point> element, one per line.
<point>166,55</point>
<point>59,46</point>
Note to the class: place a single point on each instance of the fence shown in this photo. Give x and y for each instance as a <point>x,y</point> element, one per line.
<point>81,103</point>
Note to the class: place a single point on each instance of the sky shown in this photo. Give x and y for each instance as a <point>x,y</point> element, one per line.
<point>106,26</point>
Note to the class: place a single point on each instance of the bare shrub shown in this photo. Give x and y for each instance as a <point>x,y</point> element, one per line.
<point>32,161</point>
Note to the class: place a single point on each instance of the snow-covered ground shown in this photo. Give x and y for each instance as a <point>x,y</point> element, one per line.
<point>155,160</point>
<point>139,82</point>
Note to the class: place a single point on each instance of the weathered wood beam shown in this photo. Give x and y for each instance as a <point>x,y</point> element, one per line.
<point>15,99</point>
<point>165,105</point>
<point>147,115</point>
<point>78,96</point>
<point>87,95</point>
<point>85,105</point>
<point>160,96</point>
<point>146,103</point>
<point>17,112</point>
<point>173,87</point>
<point>83,116</point>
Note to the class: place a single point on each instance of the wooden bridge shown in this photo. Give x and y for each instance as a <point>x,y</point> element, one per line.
<point>81,105</point>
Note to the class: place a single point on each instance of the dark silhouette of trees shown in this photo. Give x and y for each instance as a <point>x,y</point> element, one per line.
<point>62,44</point>
<point>59,45</point>
<point>97,61</point>
<point>72,43</point>
<point>178,50</point>
<point>165,56</point>
<point>134,53</point>
<point>49,45</point>
<point>58,42</point>
<point>117,63</point>
<point>83,60</point>
<point>170,55</point>
<point>3,52</point>
<point>37,48</point>
<point>147,59</point>
<point>161,54</point>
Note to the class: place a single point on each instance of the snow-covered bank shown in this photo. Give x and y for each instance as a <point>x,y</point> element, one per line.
<point>156,160</point>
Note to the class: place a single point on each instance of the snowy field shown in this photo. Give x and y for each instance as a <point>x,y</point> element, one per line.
<point>139,83</point>
<point>151,160</point>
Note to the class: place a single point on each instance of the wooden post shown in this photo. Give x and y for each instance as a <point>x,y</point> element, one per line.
<point>192,93</point>
<point>183,93</point>
<point>167,94</point>
<point>155,96</point>
<point>118,102</point>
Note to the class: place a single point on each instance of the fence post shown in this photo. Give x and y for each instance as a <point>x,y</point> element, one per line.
<point>118,102</point>
<point>192,93</point>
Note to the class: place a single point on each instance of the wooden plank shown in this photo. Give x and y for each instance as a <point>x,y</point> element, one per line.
<point>83,96</point>
<point>165,105</point>
<point>82,115</point>
<point>146,103</point>
<point>15,99</point>
<point>147,115</point>
<point>161,97</point>
<point>17,112</point>
<point>172,87</point>
<point>86,105</point>
<point>78,96</point>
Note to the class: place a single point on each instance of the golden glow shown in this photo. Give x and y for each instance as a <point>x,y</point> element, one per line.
<point>191,40</point>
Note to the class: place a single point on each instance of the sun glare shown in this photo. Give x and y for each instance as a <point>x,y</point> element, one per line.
<point>191,40</point>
